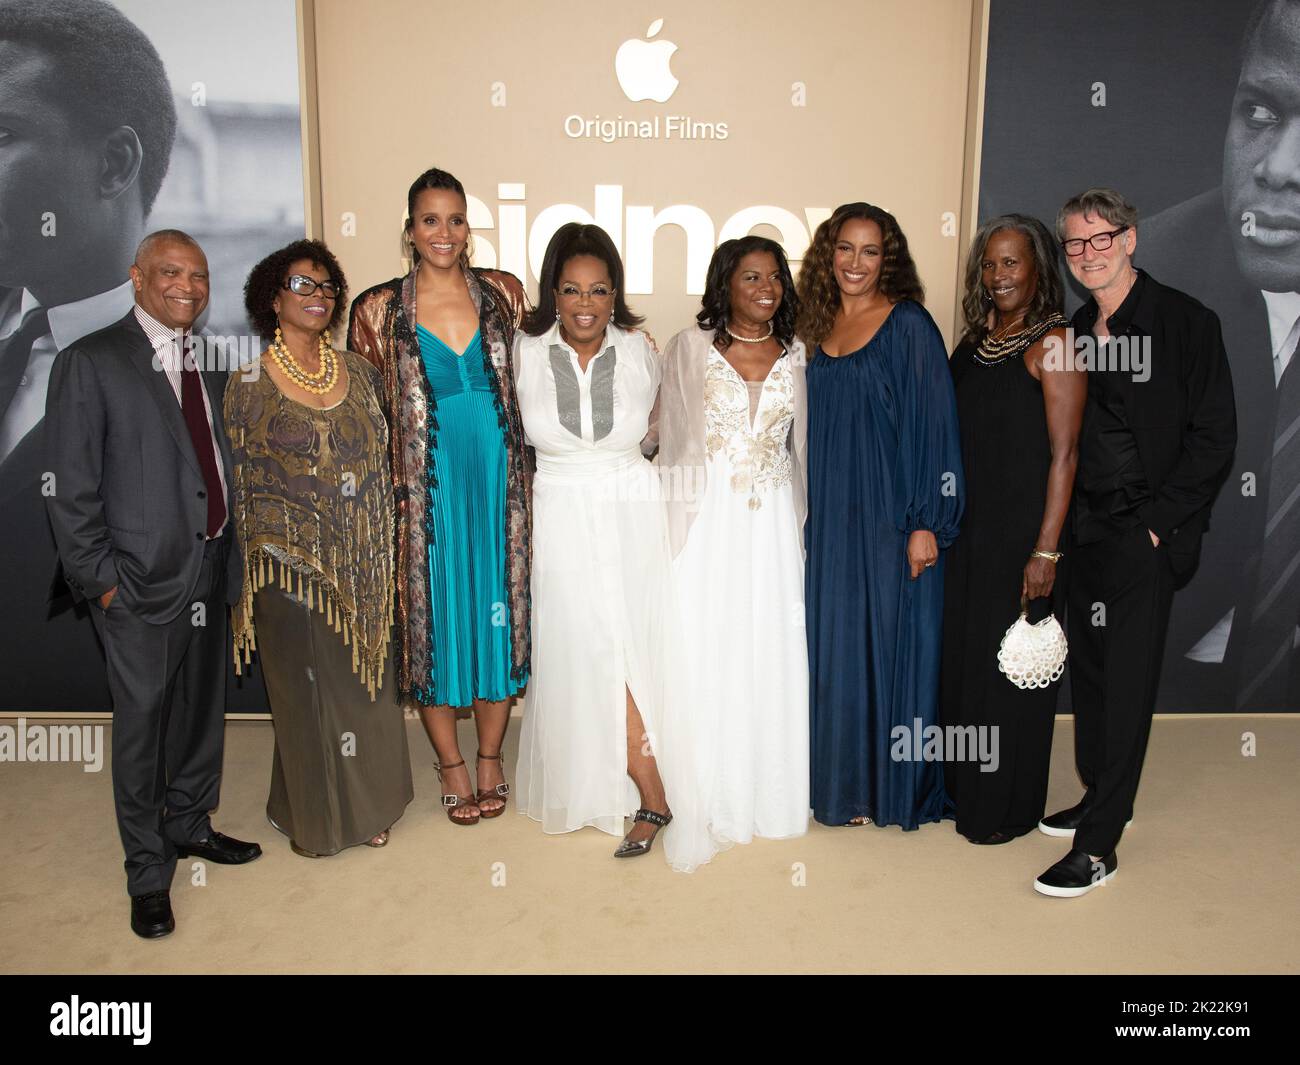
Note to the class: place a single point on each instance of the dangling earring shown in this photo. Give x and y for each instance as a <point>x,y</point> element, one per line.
<point>557,317</point>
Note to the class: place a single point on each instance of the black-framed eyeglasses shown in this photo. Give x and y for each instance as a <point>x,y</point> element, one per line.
<point>1099,241</point>
<point>307,286</point>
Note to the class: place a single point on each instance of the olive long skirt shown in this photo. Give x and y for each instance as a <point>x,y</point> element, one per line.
<point>342,771</point>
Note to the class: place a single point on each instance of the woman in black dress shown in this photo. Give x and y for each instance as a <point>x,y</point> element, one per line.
<point>1019,404</point>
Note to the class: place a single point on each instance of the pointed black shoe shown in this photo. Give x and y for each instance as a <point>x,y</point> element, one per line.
<point>1076,874</point>
<point>630,849</point>
<point>151,915</point>
<point>220,849</point>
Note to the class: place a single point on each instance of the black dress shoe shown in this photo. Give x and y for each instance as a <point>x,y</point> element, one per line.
<point>151,915</point>
<point>1066,821</point>
<point>1076,874</point>
<point>220,849</point>
<point>993,839</point>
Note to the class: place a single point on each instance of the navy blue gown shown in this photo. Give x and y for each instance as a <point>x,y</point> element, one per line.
<point>884,459</point>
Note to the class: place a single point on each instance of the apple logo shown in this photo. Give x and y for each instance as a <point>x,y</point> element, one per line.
<point>642,67</point>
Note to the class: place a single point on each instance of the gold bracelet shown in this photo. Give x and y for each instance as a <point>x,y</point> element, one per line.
<point>1051,556</point>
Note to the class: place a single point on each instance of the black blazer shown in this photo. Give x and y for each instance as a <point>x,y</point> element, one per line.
<point>1183,416</point>
<point>128,506</point>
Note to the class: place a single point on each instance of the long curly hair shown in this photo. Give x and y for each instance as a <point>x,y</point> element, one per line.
<point>571,240</point>
<point>715,306</point>
<point>819,295</point>
<point>266,280</point>
<point>1050,294</point>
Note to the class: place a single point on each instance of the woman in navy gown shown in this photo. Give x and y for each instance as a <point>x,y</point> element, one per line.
<point>885,497</point>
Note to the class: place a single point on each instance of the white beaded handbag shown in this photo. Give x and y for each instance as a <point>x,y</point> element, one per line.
<point>1032,656</point>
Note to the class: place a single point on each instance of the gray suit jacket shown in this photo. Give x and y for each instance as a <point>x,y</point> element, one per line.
<point>127,504</point>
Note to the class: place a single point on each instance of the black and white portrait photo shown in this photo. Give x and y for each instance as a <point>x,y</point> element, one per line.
<point>117,119</point>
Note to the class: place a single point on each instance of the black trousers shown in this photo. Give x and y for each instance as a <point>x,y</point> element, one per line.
<point>1121,589</point>
<point>168,684</point>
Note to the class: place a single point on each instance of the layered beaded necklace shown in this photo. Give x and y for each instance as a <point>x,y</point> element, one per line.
<point>319,383</point>
<point>993,349</point>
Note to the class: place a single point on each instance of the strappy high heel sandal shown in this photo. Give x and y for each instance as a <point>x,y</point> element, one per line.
<point>501,791</point>
<point>628,849</point>
<point>380,840</point>
<point>454,802</point>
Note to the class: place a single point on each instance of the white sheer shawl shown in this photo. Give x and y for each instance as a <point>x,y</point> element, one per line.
<point>677,429</point>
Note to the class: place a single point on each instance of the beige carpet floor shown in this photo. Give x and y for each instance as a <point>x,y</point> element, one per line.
<point>1207,883</point>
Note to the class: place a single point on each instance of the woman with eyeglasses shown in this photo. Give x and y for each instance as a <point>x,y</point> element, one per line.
<point>442,337</point>
<point>597,742</point>
<point>312,504</point>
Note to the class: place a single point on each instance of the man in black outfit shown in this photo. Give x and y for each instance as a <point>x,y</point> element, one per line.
<point>140,512</point>
<point>1158,435</point>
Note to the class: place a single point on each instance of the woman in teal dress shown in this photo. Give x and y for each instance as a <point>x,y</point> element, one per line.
<point>442,336</point>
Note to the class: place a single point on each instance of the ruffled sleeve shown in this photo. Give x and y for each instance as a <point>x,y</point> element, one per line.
<point>929,489</point>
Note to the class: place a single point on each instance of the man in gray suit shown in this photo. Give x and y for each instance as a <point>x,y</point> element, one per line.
<point>138,503</point>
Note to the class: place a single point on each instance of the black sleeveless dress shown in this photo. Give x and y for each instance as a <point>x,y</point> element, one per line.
<point>1006,454</point>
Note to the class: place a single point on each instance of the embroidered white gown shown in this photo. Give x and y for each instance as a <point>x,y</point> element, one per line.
<point>600,585</point>
<point>739,588</point>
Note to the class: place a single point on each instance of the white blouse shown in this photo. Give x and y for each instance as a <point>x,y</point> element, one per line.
<point>592,417</point>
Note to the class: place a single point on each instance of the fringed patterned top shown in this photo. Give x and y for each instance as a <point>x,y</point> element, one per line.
<point>382,329</point>
<point>313,506</point>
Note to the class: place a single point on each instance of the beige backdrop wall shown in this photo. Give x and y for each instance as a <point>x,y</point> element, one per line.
<point>822,102</point>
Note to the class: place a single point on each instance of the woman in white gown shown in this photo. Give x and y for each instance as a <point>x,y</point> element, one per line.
<point>597,741</point>
<point>732,421</point>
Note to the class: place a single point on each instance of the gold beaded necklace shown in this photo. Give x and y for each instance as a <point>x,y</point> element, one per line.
<point>992,349</point>
<point>994,346</point>
<point>319,383</point>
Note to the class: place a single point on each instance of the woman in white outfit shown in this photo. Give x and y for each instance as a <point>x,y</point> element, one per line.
<point>596,746</point>
<point>732,422</point>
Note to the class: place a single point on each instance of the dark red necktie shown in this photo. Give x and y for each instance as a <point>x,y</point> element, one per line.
<point>196,420</point>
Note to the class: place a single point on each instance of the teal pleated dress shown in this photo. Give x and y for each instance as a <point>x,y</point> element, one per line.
<point>467,570</point>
